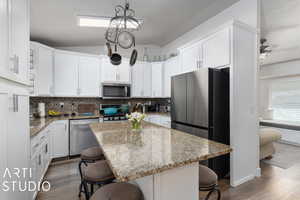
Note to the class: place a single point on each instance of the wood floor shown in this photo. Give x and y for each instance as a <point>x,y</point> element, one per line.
<point>274,184</point>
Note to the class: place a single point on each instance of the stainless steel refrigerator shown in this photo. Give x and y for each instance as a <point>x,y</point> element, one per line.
<point>200,106</point>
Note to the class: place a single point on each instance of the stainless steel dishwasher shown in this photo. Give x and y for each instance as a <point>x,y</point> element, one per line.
<point>81,136</point>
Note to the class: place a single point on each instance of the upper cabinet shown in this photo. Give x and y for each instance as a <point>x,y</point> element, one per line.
<point>19,41</point>
<point>65,74</point>
<point>113,73</point>
<point>42,70</point>
<point>191,58</point>
<point>157,69</point>
<point>171,68</point>
<point>216,49</point>
<point>4,70</point>
<point>89,76</point>
<point>14,37</point>
<point>141,79</point>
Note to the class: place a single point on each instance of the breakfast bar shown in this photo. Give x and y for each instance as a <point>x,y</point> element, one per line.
<point>163,162</point>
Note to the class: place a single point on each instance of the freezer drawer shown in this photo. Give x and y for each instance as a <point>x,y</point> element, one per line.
<point>81,136</point>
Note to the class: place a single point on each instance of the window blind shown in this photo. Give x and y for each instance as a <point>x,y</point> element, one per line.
<point>285,100</point>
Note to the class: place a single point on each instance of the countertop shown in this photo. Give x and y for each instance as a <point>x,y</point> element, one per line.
<point>132,155</point>
<point>38,124</point>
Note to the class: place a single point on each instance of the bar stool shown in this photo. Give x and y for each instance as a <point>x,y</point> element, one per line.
<point>208,181</point>
<point>117,191</point>
<point>97,173</point>
<point>89,155</point>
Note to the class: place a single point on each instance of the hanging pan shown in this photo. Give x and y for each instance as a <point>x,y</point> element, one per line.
<point>116,58</point>
<point>133,56</point>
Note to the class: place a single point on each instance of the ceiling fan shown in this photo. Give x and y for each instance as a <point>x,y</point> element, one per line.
<point>265,49</point>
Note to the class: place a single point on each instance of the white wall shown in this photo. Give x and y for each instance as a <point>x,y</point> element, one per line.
<point>245,11</point>
<point>152,50</point>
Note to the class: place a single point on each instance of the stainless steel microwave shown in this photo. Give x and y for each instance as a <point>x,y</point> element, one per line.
<point>116,91</point>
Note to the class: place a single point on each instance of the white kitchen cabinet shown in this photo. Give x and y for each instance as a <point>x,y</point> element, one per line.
<point>14,40</point>
<point>65,73</point>
<point>60,138</point>
<point>157,72</point>
<point>113,73</point>
<point>191,58</point>
<point>18,139</point>
<point>147,79</point>
<point>216,49</point>
<point>3,136</point>
<point>124,72</point>
<point>43,64</point>
<point>4,70</point>
<point>19,38</point>
<point>89,76</point>
<point>171,68</point>
<point>137,80</point>
<point>108,71</point>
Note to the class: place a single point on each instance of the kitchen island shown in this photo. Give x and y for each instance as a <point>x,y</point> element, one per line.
<point>162,161</point>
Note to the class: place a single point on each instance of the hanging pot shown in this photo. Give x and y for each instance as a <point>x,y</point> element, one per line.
<point>116,58</point>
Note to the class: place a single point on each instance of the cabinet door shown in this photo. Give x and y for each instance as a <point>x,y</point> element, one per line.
<point>60,139</point>
<point>216,50</point>
<point>3,136</point>
<point>171,68</point>
<point>4,38</point>
<point>124,71</point>
<point>44,71</point>
<point>147,80</point>
<point>18,139</point>
<point>19,38</point>
<point>65,74</point>
<point>137,80</point>
<point>89,76</point>
<point>191,58</point>
<point>157,79</point>
<point>109,71</point>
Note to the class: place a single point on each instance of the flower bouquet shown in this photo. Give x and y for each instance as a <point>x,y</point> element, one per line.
<point>136,119</point>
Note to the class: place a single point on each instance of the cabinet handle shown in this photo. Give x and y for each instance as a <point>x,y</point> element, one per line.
<point>66,127</point>
<point>46,148</point>
<point>15,103</point>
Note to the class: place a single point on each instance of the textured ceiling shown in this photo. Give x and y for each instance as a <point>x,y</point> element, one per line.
<point>281,26</point>
<point>54,21</point>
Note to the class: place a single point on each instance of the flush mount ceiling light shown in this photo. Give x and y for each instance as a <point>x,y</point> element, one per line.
<point>101,22</point>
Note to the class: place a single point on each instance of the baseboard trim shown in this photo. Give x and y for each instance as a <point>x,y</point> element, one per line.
<point>243,180</point>
<point>258,172</point>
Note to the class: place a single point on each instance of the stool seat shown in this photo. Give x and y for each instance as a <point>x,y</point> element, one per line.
<point>93,153</point>
<point>97,172</point>
<point>118,191</point>
<point>207,177</point>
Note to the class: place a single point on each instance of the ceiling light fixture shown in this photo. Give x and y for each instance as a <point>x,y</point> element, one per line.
<point>101,22</point>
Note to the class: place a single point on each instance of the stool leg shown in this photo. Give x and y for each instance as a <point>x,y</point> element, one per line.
<point>80,172</point>
<point>86,190</point>
<point>219,193</point>
<point>92,189</point>
<point>208,195</point>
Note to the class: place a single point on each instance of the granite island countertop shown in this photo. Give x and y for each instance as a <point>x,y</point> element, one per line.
<point>132,155</point>
<point>39,124</point>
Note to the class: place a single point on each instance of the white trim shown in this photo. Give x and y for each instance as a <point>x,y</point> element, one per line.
<point>242,180</point>
<point>258,172</point>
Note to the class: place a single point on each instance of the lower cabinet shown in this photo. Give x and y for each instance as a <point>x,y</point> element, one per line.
<point>60,138</point>
<point>52,142</point>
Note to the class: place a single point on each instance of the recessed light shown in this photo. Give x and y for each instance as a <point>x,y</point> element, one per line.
<point>101,22</point>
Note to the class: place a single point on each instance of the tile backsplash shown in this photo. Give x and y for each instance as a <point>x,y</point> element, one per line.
<point>70,104</point>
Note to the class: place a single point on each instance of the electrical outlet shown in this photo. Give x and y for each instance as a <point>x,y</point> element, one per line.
<point>61,104</point>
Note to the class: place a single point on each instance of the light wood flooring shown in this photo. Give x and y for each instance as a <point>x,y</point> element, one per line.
<point>274,184</point>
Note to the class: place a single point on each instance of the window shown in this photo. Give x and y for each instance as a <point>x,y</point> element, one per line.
<point>285,99</point>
